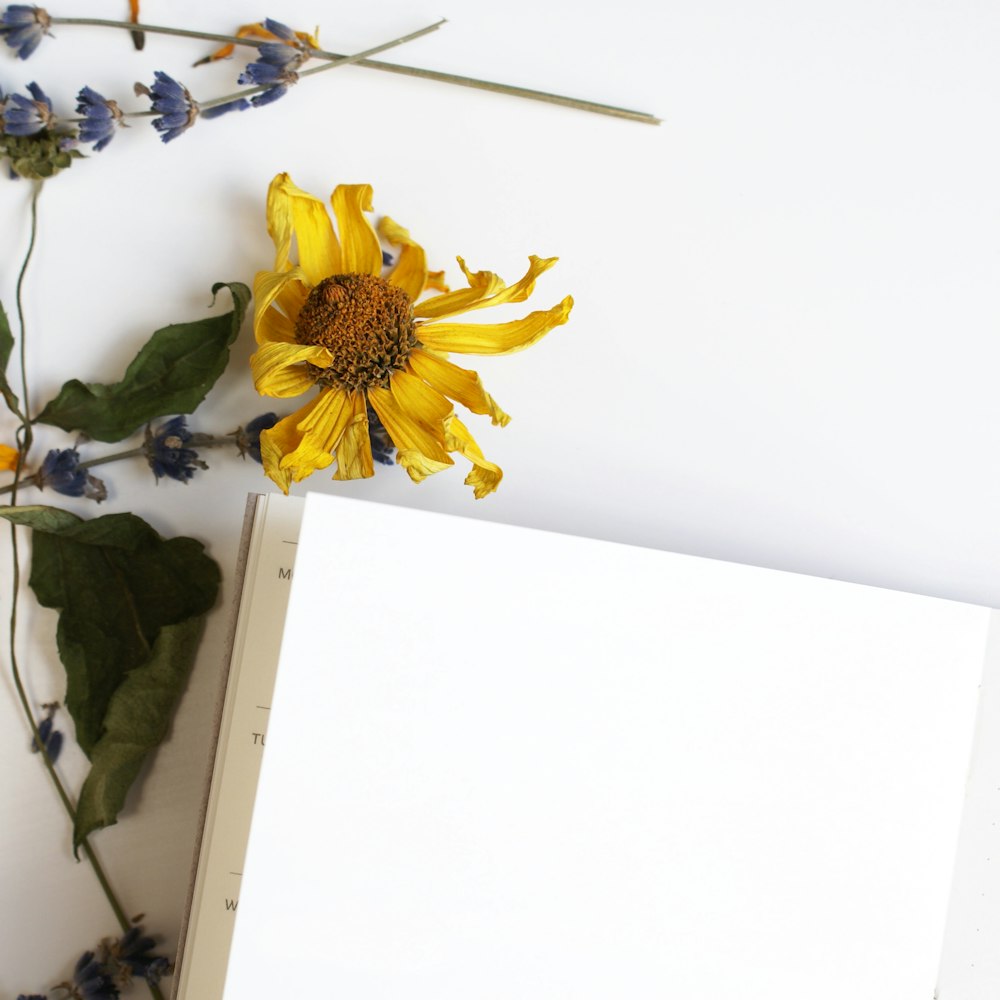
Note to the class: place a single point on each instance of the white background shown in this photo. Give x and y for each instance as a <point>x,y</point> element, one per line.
<point>783,350</point>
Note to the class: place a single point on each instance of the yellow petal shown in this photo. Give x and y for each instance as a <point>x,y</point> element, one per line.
<point>410,272</point>
<point>485,289</point>
<point>282,439</point>
<point>271,451</point>
<point>418,467</point>
<point>354,452</point>
<point>292,211</point>
<point>8,458</point>
<point>279,222</point>
<point>292,298</point>
<point>267,287</point>
<point>279,369</point>
<point>482,285</point>
<point>457,383</point>
<point>407,433</point>
<point>420,401</point>
<point>485,476</point>
<point>361,252</point>
<point>304,442</point>
<point>494,338</point>
<point>276,328</point>
<point>435,280</point>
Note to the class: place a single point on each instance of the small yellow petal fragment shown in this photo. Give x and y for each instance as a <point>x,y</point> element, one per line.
<point>485,476</point>
<point>457,383</point>
<point>354,452</point>
<point>435,280</point>
<point>494,338</point>
<point>360,248</point>
<point>410,272</point>
<point>255,31</point>
<point>8,458</point>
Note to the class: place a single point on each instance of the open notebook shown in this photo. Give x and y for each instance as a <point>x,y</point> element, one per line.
<point>505,763</point>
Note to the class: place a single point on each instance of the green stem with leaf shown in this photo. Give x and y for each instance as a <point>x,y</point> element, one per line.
<point>24,439</point>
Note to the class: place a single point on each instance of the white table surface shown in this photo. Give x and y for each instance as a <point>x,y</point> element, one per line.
<point>783,351</point>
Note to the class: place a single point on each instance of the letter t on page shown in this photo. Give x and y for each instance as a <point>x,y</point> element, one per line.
<point>506,764</point>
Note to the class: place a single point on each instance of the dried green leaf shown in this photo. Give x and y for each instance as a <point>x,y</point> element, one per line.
<point>6,339</point>
<point>6,347</point>
<point>136,722</point>
<point>131,606</point>
<point>116,583</point>
<point>171,374</point>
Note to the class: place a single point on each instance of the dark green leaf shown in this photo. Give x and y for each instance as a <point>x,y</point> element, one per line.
<point>171,374</point>
<point>131,606</point>
<point>116,583</point>
<point>6,339</point>
<point>6,346</point>
<point>137,720</point>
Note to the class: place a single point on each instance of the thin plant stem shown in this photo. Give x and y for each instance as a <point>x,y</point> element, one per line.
<point>208,36</point>
<point>336,61</point>
<point>24,443</point>
<point>360,59</point>
<point>25,413</point>
<point>504,88</point>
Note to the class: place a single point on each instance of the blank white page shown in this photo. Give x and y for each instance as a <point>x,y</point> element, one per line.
<point>506,764</point>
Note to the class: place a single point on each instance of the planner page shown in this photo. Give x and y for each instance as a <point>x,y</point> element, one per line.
<point>505,763</point>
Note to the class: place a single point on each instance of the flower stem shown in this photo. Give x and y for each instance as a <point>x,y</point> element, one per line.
<point>208,36</point>
<point>360,59</point>
<point>504,88</point>
<point>25,413</point>
<point>197,441</point>
<point>24,442</point>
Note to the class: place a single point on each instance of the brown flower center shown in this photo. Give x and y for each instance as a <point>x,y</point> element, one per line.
<point>364,322</point>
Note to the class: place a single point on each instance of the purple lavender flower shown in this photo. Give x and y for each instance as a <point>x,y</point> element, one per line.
<point>128,958</point>
<point>276,64</point>
<point>23,27</point>
<point>27,115</point>
<point>178,110</point>
<point>281,31</point>
<point>61,472</point>
<point>167,452</point>
<point>91,981</point>
<point>248,438</point>
<point>51,739</point>
<point>382,446</point>
<point>101,118</point>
